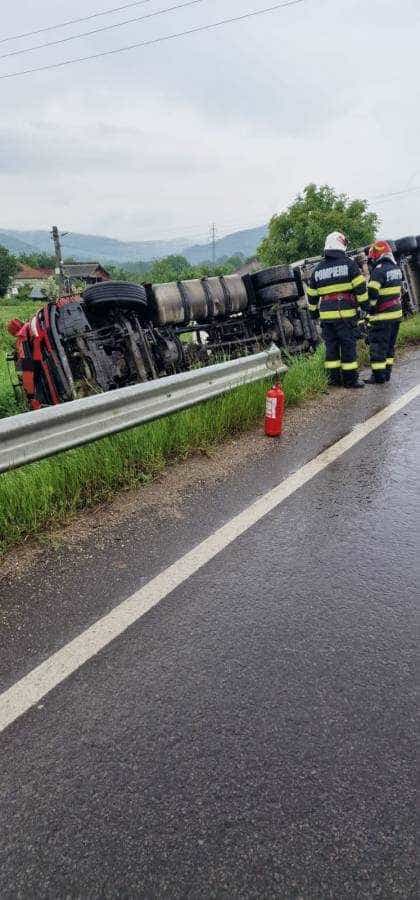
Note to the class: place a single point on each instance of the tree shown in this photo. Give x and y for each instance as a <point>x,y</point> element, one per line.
<point>171,268</point>
<point>38,260</point>
<point>301,231</point>
<point>174,268</point>
<point>8,268</point>
<point>50,289</point>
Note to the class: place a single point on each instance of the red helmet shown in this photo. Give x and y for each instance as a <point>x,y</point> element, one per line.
<point>378,249</point>
<point>14,327</point>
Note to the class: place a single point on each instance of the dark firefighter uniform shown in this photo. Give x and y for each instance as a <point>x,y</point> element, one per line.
<point>385,316</point>
<point>336,292</point>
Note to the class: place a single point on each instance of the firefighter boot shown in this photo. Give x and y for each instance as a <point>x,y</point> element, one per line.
<point>334,377</point>
<point>376,378</point>
<point>351,380</point>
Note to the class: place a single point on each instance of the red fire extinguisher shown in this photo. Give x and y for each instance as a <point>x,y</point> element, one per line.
<point>274,411</point>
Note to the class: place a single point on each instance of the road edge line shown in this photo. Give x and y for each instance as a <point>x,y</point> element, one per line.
<point>30,689</point>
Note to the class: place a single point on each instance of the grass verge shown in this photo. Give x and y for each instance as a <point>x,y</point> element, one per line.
<point>45,493</point>
<point>408,335</point>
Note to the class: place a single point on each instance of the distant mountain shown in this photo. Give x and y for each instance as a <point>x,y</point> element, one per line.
<point>14,244</point>
<point>86,247</point>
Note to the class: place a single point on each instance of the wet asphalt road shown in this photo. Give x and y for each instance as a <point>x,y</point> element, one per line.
<point>253,735</point>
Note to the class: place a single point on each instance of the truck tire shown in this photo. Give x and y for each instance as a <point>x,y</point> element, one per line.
<point>299,282</point>
<point>406,244</point>
<point>274,275</point>
<point>393,245</point>
<point>119,291</point>
<point>275,292</point>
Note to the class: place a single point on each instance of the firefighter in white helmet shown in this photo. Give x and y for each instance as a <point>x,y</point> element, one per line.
<point>336,292</point>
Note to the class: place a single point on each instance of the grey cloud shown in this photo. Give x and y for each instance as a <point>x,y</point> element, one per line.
<point>227,125</point>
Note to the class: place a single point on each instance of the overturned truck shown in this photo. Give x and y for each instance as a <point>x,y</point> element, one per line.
<point>116,333</point>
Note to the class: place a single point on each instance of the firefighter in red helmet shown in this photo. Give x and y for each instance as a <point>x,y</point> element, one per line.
<point>385,310</point>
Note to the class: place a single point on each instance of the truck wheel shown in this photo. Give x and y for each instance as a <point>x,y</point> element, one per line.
<point>299,282</point>
<point>393,245</point>
<point>275,292</point>
<point>274,275</point>
<point>406,244</point>
<point>119,291</point>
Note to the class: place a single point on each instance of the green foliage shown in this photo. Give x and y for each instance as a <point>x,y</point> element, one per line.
<point>23,293</point>
<point>170,268</point>
<point>173,268</point>
<point>300,232</point>
<point>38,260</point>
<point>129,272</point>
<point>8,268</point>
<point>50,289</point>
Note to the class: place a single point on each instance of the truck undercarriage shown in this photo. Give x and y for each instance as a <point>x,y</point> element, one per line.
<point>117,334</point>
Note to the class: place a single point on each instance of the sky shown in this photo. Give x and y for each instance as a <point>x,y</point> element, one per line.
<point>223,126</point>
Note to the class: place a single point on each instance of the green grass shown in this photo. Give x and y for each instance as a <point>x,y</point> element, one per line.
<point>8,310</point>
<point>45,493</point>
<point>408,335</point>
<point>409,332</point>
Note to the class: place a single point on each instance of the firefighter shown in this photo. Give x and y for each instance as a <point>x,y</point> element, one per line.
<point>385,310</point>
<point>336,294</point>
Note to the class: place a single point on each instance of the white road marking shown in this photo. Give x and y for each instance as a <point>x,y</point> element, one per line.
<point>40,681</point>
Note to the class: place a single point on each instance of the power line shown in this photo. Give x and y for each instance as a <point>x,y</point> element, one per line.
<point>380,197</point>
<point>75,37</point>
<point>153,41</point>
<point>105,12</point>
<point>229,227</point>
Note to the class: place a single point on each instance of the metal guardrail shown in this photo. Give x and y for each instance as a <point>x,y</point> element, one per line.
<point>34,435</point>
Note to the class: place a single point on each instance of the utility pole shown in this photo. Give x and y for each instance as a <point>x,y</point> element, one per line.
<point>213,245</point>
<point>59,270</point>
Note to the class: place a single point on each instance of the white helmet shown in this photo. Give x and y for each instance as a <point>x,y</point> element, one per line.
<point>336,241</point>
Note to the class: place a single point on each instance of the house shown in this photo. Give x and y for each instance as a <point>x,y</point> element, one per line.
<point>33,278</point>
<point>88,272</point>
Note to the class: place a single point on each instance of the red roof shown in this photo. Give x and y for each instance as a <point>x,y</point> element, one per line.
<point>27,273</point>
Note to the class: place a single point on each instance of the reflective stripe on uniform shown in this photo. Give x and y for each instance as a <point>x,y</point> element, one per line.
<point>360,279</point>
<point>361,298</point>
<point>311,292</point>
<point>332,363</point>
<point>335,289</point>
<point>377,366</point>
<point>375,285</point>
<point>383,317</point>
<point>337,314</point>
<point>390,361</point>
<point>312,307</point>
<point>389,291</point>
<point>347,367</point>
